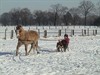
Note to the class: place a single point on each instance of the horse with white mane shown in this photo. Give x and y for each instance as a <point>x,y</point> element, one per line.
<point>25,38</point>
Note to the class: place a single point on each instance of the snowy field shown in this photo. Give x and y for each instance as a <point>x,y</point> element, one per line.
<point>83,57</point>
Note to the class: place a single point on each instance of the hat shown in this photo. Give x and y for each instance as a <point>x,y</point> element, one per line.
<point>65,35</point>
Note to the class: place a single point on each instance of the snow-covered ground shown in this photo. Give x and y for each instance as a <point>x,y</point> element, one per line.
<point>83,57</point>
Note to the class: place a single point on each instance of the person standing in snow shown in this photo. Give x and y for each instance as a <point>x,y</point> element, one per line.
<point>65,42</point>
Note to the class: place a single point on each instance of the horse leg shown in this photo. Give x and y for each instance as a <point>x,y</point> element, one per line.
<point>58,49</point>
<point>30,48</point>
<point>17,48</point>
<point>61,49</point>
<point>26,49</point>
<point>36,47</point>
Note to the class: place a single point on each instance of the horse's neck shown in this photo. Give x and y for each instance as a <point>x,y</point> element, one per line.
<point>22,31</point>
<point>22,34</point>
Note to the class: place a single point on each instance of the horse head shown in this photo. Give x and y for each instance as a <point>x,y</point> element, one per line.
<point>18,30</point>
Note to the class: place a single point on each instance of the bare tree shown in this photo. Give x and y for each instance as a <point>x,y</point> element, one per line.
<point>56,10</point>
<point>41,17</point>
<point>76,15</point>
<point>74,11</point>
<point>50,18</point>
<point>21,16</point>
<point>15,15</point>
<point>67,19</point>
<point>5,19</point>
<point>86,7</point>
<point>38,16</point>
<point>63,10</point>
<point>25,16</point>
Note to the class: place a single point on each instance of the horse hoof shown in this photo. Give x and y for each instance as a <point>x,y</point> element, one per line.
<point>38,52</point>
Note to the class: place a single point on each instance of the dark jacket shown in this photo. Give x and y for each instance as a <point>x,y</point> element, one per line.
<point>65,41</point>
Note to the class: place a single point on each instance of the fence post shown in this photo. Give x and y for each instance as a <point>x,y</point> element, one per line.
<point>43,27</point>
<point>85,32</point>
<point>62,27</point>
<point>65,31</point>
<point>74,26</point>
<point>55,27</point>
<point>36,27</point>
<point>72,32</point>
<point>82,33</point>
<point>59,33</point>
<point>12,33</point>
<point>39,32</point>
<point>67,26</point>
<point>49,26</point>
<point>45,33</point>
<point>29,28</point>
<point>79,26</point>
<point>5,34</point>
<point>95,32</point>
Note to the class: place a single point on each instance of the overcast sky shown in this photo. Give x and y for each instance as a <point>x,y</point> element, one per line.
<point>7,5</point>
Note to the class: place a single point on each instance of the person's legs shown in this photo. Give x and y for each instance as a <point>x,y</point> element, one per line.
<point>65,47</point>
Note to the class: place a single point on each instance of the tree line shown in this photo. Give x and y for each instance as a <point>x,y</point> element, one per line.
<point>85,14</point>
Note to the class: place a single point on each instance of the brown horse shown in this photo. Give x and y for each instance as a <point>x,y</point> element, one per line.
<point>25,38</point>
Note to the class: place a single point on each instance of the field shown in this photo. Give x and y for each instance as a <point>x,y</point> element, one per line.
<point>83,57</point>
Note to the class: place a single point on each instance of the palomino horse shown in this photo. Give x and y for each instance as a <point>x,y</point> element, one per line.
<point>25,38</point>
